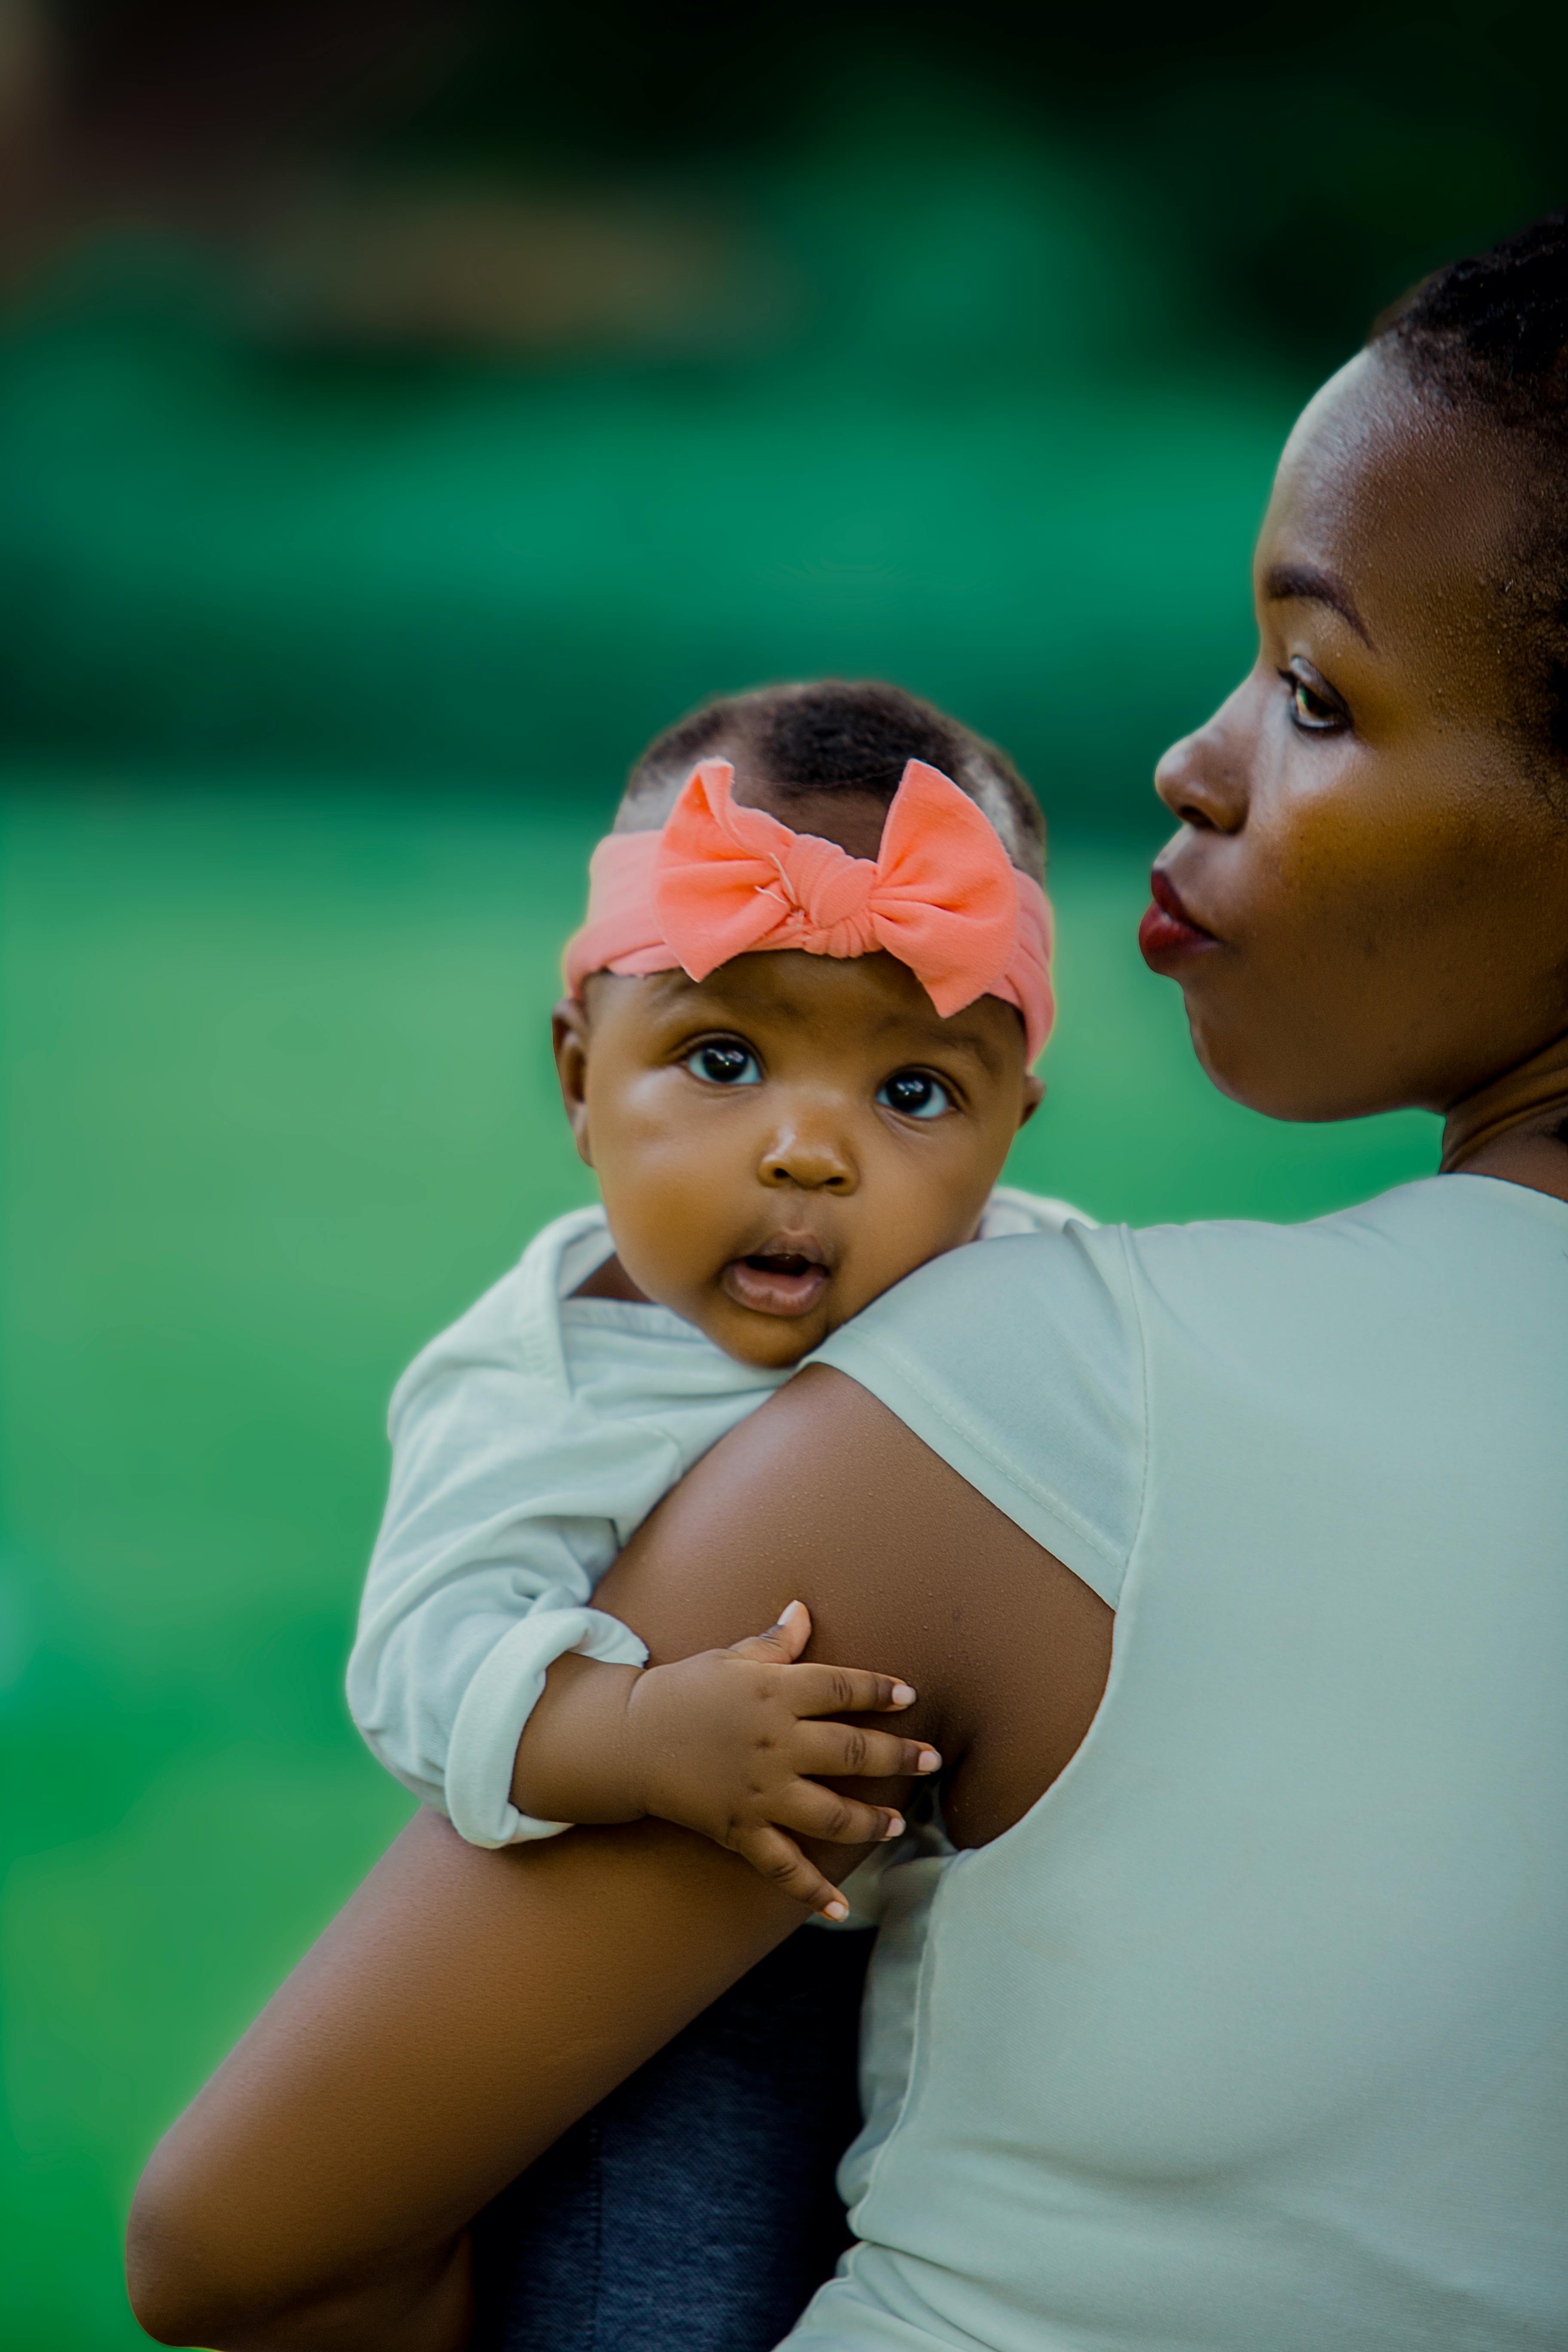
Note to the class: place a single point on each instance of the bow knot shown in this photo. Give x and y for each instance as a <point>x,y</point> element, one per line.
<point>828,894</point>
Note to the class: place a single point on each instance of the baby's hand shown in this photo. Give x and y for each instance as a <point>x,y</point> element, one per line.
<point>733,1743</point>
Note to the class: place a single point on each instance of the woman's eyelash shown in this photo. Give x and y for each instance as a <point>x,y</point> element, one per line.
<point>1312,711</point>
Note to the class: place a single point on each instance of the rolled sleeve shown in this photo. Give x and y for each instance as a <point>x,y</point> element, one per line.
<point>500,1698</point>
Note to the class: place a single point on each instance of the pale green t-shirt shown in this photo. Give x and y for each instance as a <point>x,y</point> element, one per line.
<point>1252,2035</point>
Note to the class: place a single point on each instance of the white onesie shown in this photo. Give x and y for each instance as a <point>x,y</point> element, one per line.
<point>529,1443</point>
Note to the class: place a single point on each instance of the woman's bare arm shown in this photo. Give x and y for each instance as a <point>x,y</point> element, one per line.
<point>467,2007</point>
<point>458,2013</point>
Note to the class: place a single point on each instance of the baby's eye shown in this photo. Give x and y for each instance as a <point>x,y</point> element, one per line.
<point>725,1066</point>
<point>916,1094</point>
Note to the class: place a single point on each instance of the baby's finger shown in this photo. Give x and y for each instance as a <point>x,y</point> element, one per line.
<point>782,1642</point>
<point>810,1811</point>
<point>839,1751</point>
<point>779,1860</point>
<point>845,1690</point>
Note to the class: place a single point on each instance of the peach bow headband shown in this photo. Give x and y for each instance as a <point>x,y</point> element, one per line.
<point>718,881</point>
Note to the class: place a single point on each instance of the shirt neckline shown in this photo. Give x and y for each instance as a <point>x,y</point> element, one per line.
<point>642,1315</point>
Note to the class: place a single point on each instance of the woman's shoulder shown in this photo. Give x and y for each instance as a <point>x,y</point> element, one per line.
<point>1018,1363</point>
<point>1449,1234</point>
<point>1050,1274</point>
<point>1029,1364</point>
<point>1012,1211</point>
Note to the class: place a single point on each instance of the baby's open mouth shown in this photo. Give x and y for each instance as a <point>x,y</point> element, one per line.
<point>785,1278</point>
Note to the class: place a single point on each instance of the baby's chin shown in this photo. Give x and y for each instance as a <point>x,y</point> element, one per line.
<point>774,1341</point>
<point>771,1343</point>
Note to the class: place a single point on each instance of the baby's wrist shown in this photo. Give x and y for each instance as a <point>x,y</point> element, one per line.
<point>576,1760</point>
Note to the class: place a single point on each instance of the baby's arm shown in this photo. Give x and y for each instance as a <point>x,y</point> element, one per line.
<point>734,1743</point>
<point>485,1564</point>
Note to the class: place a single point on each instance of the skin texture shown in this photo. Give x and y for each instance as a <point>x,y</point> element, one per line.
<point>1389,904</point>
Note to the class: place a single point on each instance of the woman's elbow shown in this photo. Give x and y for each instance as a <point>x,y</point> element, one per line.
<point>193,2278</point>
<point>185,2270</point>
<point>173,2280</point>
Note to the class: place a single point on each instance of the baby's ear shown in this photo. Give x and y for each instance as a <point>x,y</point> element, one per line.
<point>1034,1095</point>
<point>569,1036</point>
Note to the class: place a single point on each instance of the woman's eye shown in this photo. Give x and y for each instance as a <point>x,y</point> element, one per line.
<point>725,1066</point>
<point>1310,709</point>
<point>915,1094</point>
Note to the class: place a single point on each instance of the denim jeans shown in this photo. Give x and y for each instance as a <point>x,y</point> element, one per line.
<point>694,2210</point>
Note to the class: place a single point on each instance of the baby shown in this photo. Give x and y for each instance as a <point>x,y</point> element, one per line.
<point>795,1050</point>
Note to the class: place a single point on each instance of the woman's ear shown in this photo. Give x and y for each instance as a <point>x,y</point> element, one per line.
<point>1034,1095</point>
<point>569,1036</point>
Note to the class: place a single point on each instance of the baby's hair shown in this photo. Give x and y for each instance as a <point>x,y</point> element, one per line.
<point>832,735</point>
<point>1490,334</point>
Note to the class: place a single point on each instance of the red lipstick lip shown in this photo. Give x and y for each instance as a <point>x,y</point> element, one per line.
<point>1167,932</point>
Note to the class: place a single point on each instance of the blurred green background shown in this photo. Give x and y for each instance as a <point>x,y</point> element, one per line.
<point>403,412</point>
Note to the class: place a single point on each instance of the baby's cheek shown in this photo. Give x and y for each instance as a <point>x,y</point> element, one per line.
<point>891,1246</point>
<point>660,1232</point>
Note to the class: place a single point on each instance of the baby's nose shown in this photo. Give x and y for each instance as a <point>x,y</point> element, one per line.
<point>811,1157</point>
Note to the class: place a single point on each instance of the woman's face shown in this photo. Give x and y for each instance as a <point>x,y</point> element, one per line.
<point>1367,903</point>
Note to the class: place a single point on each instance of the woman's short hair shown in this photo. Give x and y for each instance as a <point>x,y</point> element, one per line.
<point>1490,334</point>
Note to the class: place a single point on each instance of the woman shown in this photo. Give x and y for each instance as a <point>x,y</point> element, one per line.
<point>1249,2027</point>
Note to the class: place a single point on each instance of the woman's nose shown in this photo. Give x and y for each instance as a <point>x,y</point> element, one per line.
<point>1202,779</point>
<point>810,1156</point>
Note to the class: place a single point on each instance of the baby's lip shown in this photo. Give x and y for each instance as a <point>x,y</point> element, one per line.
<point>787,1276</point>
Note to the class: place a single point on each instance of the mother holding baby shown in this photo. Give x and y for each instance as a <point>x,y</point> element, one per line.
<point>1240,2017</point>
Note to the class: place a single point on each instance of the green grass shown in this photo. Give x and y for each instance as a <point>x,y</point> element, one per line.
<point>279,1103</point>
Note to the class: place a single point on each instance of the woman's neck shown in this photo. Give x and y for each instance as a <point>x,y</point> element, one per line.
<point>1516,1126</point>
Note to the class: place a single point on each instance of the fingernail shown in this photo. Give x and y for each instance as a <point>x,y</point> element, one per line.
<point>929,1761</point>
<point>787,1614</point>
<point>835,1910</point>
<point>902,1694</point>
<point>895,1826</point>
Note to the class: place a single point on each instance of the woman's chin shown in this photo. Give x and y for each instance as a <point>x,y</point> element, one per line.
<point>1234,1089</point>
<point>1241,1070</point>
<point>1253,1075</point>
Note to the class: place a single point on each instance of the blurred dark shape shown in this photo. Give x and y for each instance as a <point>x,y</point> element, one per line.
<point>193,119</point>
<point>497,268</point>
<point>176,90</point>
<point>249,133</point>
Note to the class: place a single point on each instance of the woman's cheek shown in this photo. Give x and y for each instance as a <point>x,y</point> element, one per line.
<point>1327,863</point>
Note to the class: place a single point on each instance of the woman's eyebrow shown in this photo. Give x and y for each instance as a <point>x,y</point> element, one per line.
<point>1307,583</point>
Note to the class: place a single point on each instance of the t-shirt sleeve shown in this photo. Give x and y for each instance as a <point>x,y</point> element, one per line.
<point>508,1502</point>
<point>1019,1361</point>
